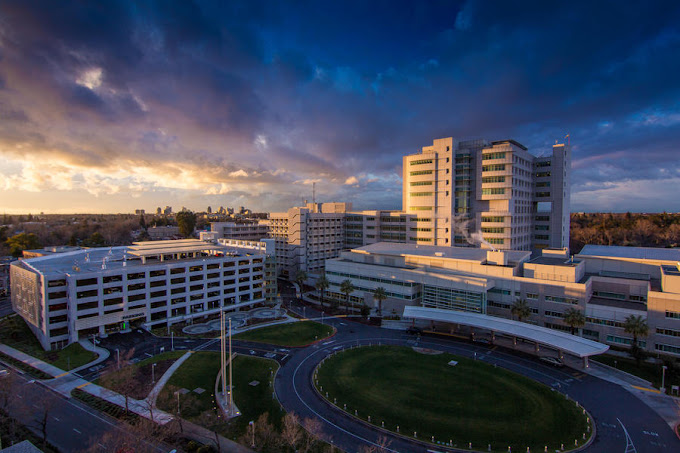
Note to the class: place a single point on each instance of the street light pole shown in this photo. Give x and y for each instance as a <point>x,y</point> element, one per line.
<point>118,356</point>
<point>153,373</point>
<point>663,376</point>
<point>172,340</point>
<point>252,431</point>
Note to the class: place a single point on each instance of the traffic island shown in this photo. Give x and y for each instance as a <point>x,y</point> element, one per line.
<point>451,401</point>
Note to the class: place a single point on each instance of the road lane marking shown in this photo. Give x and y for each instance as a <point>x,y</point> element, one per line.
<point>57,419</point>
<point>84,385</point>
<point>646,389</point>
<point>77,431</point>
<point>61,375</point>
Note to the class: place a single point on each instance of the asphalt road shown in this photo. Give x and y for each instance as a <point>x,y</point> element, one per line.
<point>71,426</point>
<point>610,405</point>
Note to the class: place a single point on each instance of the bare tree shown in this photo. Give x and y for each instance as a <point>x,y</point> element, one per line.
<point>291,432</point>
<point>382,445</point>
<point>313,432</point>
<point>122,380</point>
<point>10,405</point>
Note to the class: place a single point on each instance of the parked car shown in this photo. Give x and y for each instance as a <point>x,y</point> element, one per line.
<point>413,330</point>
<point>554,361</point>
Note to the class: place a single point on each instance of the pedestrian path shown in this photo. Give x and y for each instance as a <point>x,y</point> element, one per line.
<point>156,390</point>
<point>65,382</point>
<point>102,353</point>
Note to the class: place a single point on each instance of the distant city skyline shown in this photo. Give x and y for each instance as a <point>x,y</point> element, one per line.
<point>110,107</point>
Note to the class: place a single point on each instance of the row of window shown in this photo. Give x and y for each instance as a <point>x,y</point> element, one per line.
<point>493,167</point>
<point>493,230</point>
<point>422,194</point>
<point>491,156</point>
<point>387,281</point>
<point>494,191</point>
<point>421,172</point>
<point>421,183</point>
<point>421,162</point>
<point>494,219</point>
<point>493,179</point>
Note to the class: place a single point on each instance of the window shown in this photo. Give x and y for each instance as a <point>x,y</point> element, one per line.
<point>493,179</point>
<point>668,332</point>
<point>494,240</point>
<point>626,341</point>
<point>112,278</point>
<point>542,194</point>
<point>421,208</point>
<point>532,296</point>
<point>421,183</point>
<point>667,348</point>
<point>421,194</point>
<point>543,164</point>
<point>136,287</point>
<point>421,162</point>
<point>543,184</point>
<point>494,191</point>
<point>543,174</point>
<point>493,230</point>
<point>157,273</point>
<point>493,219</point>
<point>135,276</point>
<point>177,270</point>
<point>421,172</point>
<point>493,167</point>
<point>490,156</point>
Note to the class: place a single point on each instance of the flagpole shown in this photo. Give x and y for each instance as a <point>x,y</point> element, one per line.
<point>231,388</point>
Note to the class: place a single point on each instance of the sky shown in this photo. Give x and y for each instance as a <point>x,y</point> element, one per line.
<point>112,106</point>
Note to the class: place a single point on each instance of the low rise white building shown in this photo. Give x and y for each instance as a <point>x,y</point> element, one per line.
<point>607,284</point>
<point>78,294</point>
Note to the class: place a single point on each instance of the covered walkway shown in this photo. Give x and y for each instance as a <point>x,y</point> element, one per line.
<point>561,341</point>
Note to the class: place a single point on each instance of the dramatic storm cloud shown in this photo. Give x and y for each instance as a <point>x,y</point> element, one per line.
<point>112,106</point>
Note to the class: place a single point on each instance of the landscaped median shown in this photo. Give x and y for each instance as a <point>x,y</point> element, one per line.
<point>450,400</point>
<point>191,391</point>
<point>295,334</point>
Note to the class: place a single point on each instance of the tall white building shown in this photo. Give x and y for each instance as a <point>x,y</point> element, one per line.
<point>493,194</point>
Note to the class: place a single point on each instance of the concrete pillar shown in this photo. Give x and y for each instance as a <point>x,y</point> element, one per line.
<point>493,337</point>
<point>538,348</point>
<point>560,354</point>
<point>514,342</point>
<point>585,362</point>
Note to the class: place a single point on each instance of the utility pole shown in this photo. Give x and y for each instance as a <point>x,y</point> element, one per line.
<point>231,390</point>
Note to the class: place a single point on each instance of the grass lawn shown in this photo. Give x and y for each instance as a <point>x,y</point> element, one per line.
<point>201,369</point>
<point>15,333</point>
<point>292,334</point>
<point>470,402</point>
<point>648,371</point>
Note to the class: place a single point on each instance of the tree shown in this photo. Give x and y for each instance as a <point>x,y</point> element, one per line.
<point>186,220</point>
<point>95,240</point>
<point>122,380</point>
<point>347,288</point>
<point>521,309</point>
<point>322,284</point>
<point>380,294</point>
<point>637,326</point>
<point>574,318</point>
<point>22,241</point>
<point>300,279</point>
<point>292,432</point>
<point>314,431</point>
<point>142,222</point>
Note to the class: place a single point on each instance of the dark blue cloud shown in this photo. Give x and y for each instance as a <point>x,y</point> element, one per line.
<point>336,88</point>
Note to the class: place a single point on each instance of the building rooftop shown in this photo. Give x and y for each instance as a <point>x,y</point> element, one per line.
<point>638,253</point>
<point>105,258</point>
<point>628,304</point>
<point>552,261</point>
<point>434,251</point>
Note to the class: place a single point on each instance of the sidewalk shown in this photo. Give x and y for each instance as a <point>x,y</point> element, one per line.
<point>102,352</point>
<point>64,382</point>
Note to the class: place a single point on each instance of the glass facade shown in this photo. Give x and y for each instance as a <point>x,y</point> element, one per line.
<point>453,299</point>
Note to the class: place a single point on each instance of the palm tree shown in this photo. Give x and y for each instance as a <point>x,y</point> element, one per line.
<point>347,288</point>
<point>636,325</point>
<point>574,318</point>
<point>521,309</point>
<point>321,285</point>
<point>380,294</point>
<point>300,278</point>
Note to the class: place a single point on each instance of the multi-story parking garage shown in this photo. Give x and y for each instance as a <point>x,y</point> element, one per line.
<point>67,296</point>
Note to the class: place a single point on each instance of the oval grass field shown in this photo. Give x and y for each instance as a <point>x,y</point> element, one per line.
<point>470,402</point>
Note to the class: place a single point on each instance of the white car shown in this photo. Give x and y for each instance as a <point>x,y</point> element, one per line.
<point>4,373</point>
<point>554,361</point>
